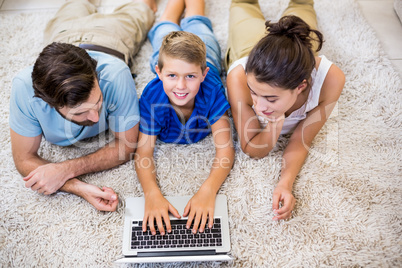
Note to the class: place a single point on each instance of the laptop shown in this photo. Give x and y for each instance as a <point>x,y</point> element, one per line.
<point>181,245</point>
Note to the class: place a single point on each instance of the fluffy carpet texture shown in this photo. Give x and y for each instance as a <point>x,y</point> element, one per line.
<point>348,192</point>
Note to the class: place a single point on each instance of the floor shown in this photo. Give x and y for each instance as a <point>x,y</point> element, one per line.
<point>379,13</point>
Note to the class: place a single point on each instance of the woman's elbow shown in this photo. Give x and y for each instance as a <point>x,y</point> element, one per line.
<point>256,153</point>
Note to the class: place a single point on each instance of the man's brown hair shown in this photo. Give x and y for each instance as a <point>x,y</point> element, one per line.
<point>63,75</point>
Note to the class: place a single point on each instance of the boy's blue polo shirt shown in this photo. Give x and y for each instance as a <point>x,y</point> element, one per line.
<point>158,117</point>
<point>31,116</point>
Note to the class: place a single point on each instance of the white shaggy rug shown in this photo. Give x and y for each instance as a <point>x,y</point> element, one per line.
<point>349,192</point>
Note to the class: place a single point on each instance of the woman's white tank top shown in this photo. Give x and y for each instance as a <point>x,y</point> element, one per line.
<point>317,80</point>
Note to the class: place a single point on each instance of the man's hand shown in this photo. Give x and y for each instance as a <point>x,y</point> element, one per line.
<point>156,209</point>
<point>285,196</point>
<point>47,179</point>
<point>104,199</point>
<point>200,207</point>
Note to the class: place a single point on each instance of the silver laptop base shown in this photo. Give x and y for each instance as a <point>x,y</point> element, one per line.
<point>217,257</point>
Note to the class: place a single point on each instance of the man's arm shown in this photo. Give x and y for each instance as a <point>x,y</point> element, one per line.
<point>116,152</point>
<point>45,177</point>
<point>25,152</point>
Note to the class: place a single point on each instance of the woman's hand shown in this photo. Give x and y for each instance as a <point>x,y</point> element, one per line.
<point>283,195</point>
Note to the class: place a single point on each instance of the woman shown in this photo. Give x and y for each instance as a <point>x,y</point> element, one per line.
<point>277,85</point>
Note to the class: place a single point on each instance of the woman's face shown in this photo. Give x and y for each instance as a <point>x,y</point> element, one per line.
<point>270,101</point>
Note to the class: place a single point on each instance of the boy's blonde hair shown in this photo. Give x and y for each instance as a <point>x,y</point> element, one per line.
<point>184,46</point>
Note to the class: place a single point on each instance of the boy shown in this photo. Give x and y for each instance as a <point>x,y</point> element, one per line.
<point>183,104</point>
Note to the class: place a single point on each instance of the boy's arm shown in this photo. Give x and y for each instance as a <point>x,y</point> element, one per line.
<point>156,206</point>
<point>299,144</point>
<point>255,141</point>
<point>202,204</point>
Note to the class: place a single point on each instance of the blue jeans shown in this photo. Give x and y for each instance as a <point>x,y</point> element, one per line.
<point>198,25</point>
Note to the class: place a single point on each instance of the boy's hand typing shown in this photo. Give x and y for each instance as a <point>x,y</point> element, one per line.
<point>156,209</point>
<point>200,207</point>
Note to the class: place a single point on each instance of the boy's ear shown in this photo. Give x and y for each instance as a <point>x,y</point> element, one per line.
<point>204,74</point>
<point>158,72</point>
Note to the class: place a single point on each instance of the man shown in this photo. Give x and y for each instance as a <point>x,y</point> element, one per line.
<point>80,86</point>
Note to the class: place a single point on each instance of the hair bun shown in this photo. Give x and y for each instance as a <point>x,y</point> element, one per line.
<point>295,28</point>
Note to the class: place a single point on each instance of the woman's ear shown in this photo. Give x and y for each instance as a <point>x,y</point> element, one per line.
<point>301,87</point>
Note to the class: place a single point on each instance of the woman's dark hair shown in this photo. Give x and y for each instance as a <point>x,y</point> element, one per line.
<point>63,75</point>
<point>284,57</point>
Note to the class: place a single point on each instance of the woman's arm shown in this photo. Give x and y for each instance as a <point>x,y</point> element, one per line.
<point>301,139</point>
<point>255,141</point>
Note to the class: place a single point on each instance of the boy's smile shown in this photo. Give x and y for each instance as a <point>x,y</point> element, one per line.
<point>181,81</point>
<point>180,96</point>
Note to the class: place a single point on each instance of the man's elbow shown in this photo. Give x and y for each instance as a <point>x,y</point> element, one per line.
<point>21,162</point>
<point>126,153</point>
<point>20,168</point>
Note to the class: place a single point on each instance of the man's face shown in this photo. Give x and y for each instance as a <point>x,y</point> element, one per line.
<point>86,113</point>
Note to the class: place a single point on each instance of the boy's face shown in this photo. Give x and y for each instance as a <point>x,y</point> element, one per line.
<point>181,81</point>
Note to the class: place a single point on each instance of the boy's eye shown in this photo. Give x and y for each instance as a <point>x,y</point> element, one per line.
<point>191,76</point>
<point>252,92</point>
<point>171,75</point>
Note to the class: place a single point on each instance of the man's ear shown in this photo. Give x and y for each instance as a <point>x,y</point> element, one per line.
<point>301,87</point>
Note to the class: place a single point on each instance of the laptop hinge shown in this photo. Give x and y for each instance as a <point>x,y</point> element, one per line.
<point>176,253</point>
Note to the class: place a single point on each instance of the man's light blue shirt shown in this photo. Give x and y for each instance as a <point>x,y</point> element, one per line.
<point>31,116</point>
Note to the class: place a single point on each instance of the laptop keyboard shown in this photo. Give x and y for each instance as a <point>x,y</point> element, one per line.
<point>180,237</point>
